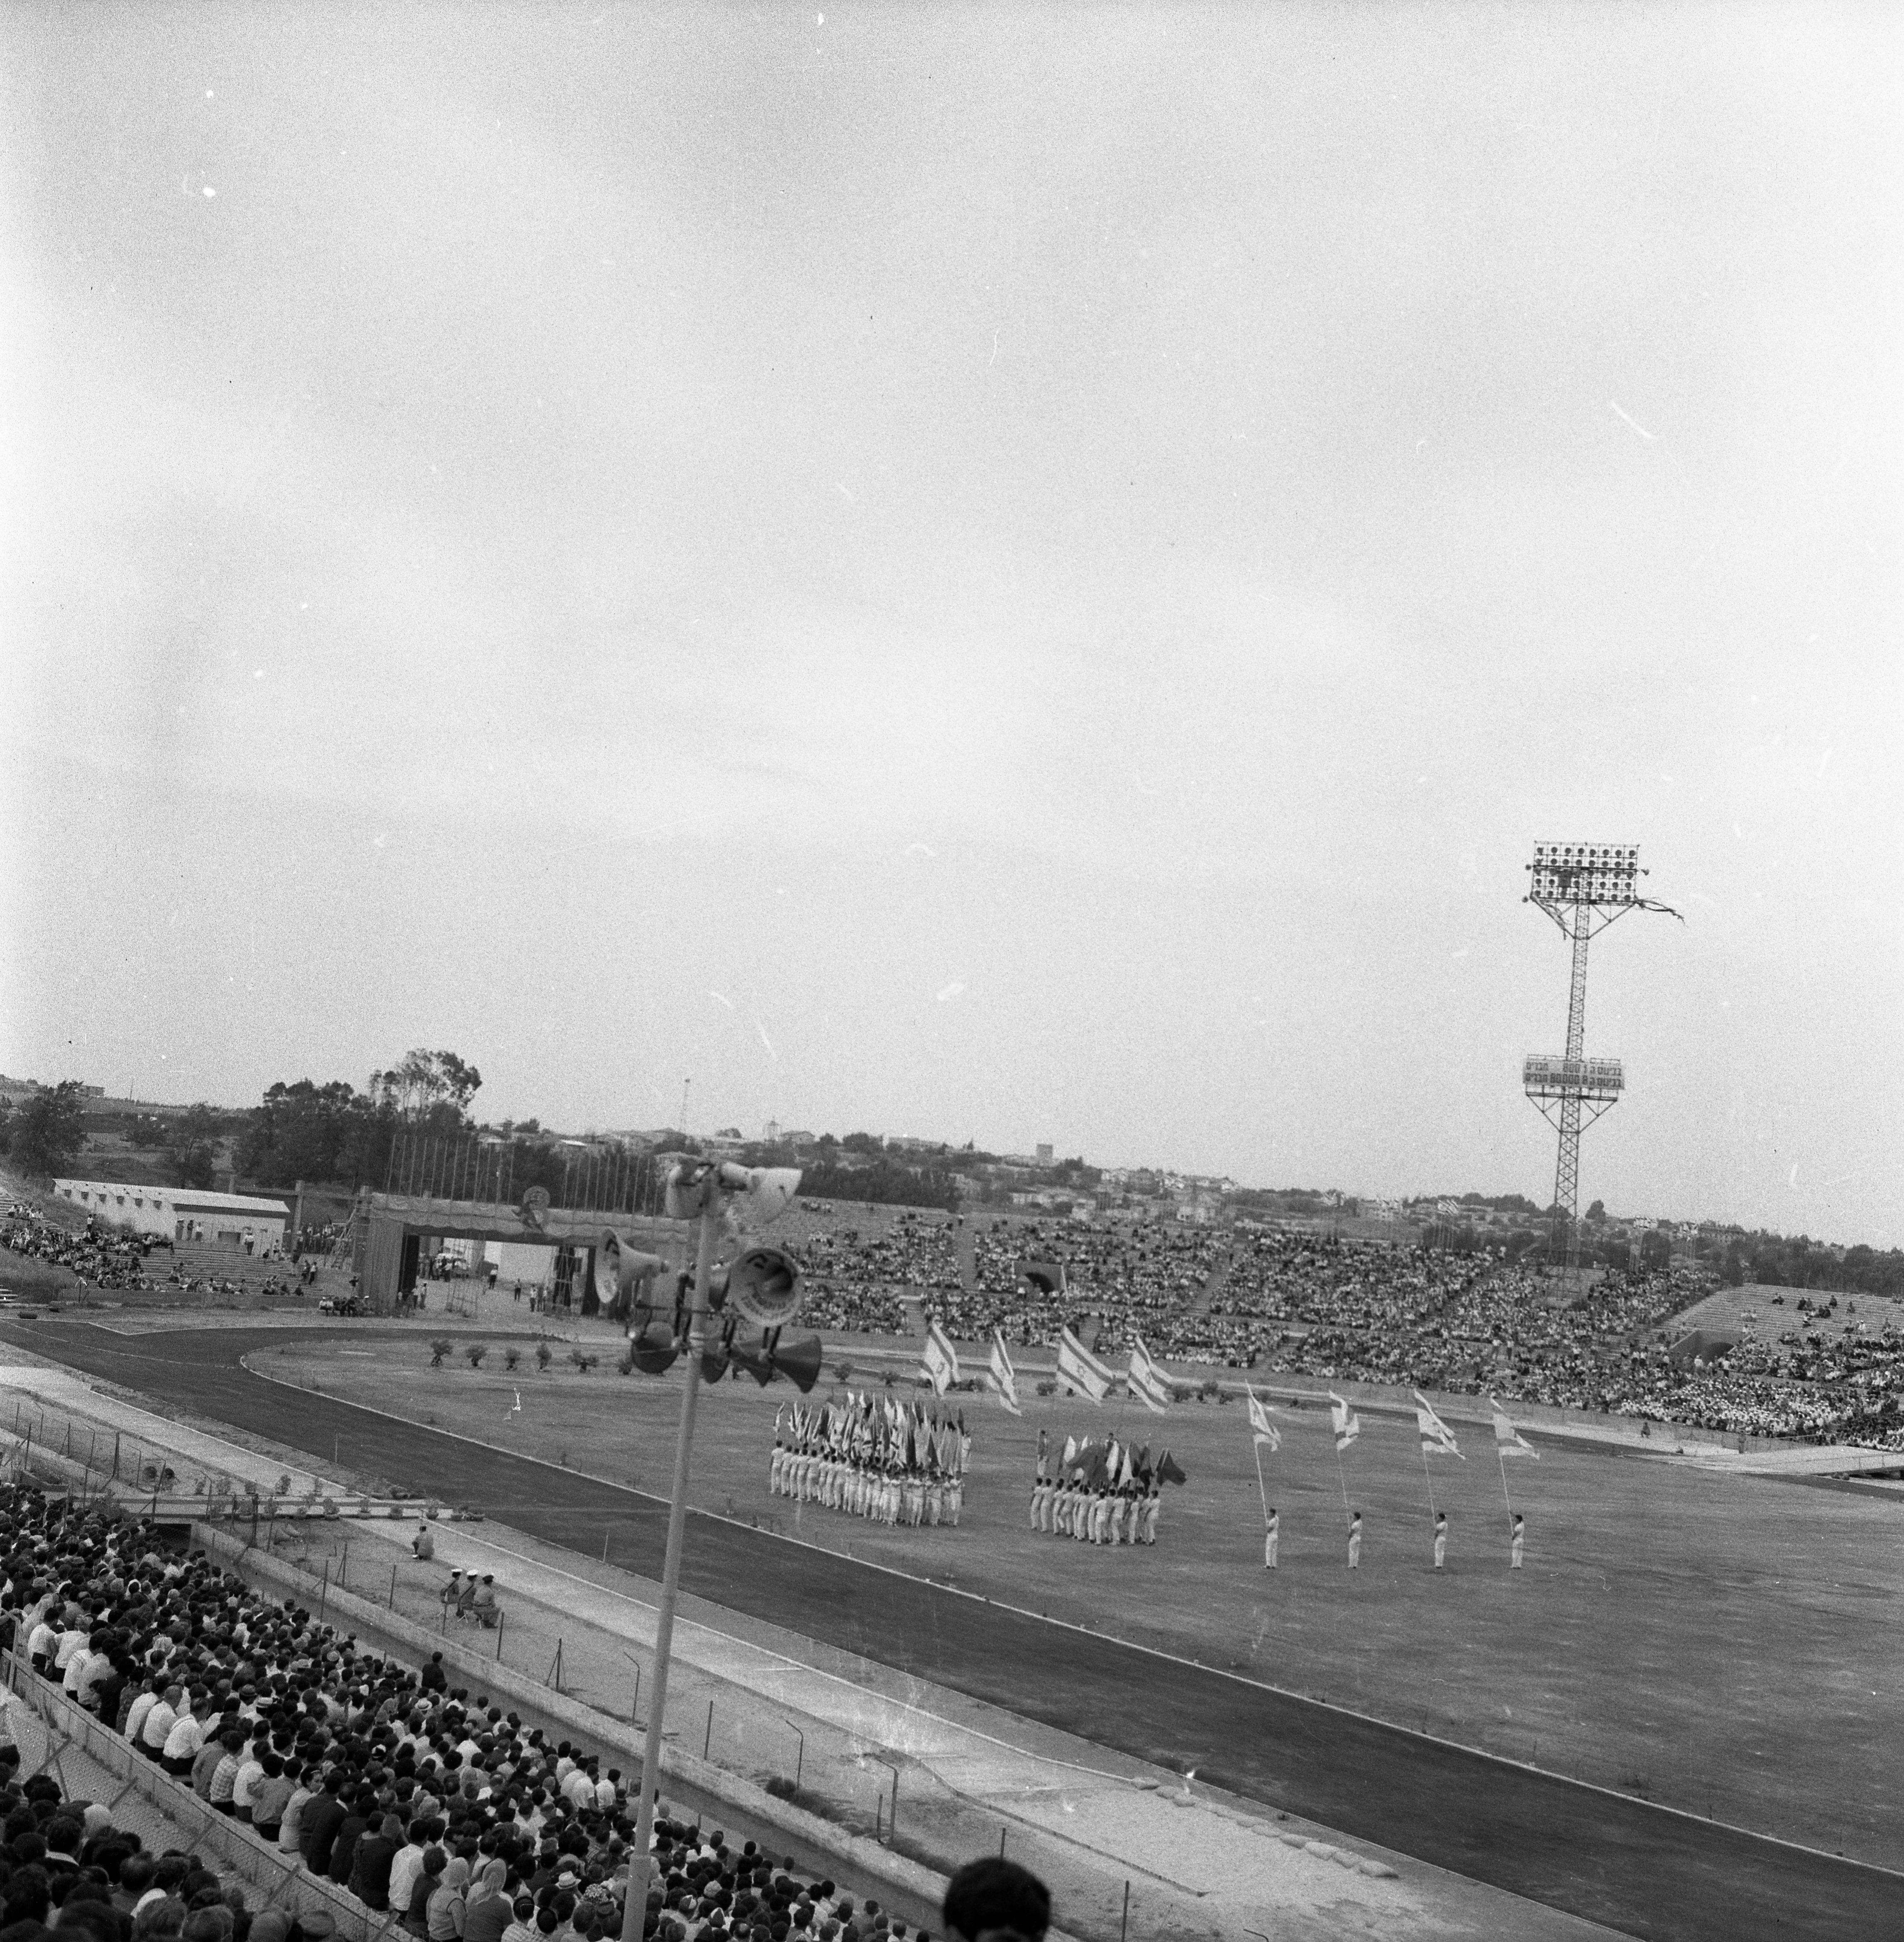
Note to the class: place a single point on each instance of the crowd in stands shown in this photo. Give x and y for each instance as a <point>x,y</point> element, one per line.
<point>415,1798</point>
<point>97,1258</point>
<point>852,1279</point>
<point>110,1260</point>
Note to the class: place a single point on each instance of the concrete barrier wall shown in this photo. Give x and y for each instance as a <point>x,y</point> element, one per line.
<point>697,1787</point>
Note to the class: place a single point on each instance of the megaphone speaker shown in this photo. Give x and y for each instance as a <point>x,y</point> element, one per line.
<point>761,1194</point>
<point>653,1351</point>
<point>800,1363</point>
<point>620,1271</point>
<point>759,1365</point>
<point>762,1287</point>
<point>687,1186</point>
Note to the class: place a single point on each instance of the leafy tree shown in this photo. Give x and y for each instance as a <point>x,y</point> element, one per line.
<point>194,1166</point>
<point>863,1143</point>
<point>48,1133</point>
<point>425,1079</point>
<point>1597,1212</point>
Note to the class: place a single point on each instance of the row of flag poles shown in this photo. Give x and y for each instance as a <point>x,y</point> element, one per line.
<point>1078,1369</point>
<point>1083,1374</point>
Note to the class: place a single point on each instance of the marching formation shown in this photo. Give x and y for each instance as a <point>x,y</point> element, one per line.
<point>1100,1494</point>
<point>900,1463</point>
<point>895,1462</point>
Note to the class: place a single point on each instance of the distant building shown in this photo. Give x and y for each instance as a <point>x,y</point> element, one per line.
<point>1044,1153</point>
<point>181,1213</point>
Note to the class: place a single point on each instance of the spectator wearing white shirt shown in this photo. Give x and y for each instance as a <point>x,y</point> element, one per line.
<point>183,1742</point>
<point>41,1643</point>
<point>74,1639</point>
<point>159,1719</point>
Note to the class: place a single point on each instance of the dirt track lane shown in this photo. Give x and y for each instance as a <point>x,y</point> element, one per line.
<point>1614,1860</point>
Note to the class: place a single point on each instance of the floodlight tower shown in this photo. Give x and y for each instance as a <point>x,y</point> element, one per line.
<point>1583,887</point>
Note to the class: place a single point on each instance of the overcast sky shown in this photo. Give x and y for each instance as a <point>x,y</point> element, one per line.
<point>1006,574</point>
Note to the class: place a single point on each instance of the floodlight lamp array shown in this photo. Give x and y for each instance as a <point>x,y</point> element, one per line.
<point>1587,873</point>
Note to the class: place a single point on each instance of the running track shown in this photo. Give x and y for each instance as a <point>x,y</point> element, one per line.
<point>1618,1861</point>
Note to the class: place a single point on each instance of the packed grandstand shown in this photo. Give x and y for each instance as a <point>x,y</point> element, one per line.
<point>436,1809</point>
<point>1301,1304</point>
<point>1286,1302</point>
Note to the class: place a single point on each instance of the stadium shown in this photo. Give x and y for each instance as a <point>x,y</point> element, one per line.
<point>1445,1735</point>
<point>1154,752</point>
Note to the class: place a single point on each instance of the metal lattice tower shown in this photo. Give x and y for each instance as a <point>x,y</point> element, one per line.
<point>1583,887</point>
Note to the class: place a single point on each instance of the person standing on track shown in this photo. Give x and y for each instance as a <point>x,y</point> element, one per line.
<point>1354,1540</point>
<point>1518,1542</point>
<point>1440,1539</point>
<point>1271,1520</point>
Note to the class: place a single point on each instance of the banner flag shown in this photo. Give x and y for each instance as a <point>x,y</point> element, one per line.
<point>1265,1432</point>
<point>1079,1370</point>
<point>1508,1441</point>
<point>1004,1376</point>
<point>1169,1470</point>
<point>1343,1421</point>
<point>1437,1439</point>
<point>940,1359</point>
<point>1149,1384</point>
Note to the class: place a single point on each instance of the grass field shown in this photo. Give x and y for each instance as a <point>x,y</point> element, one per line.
<point>1720,1644</point>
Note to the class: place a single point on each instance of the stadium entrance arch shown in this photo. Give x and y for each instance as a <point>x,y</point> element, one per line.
<point>387,1231</point>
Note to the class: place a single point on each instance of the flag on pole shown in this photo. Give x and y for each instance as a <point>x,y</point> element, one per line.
<point>1169,1470</point>
<point>1004,1377</point>
<point>1080,1370</point>
<point>1508,1441</point>
<point>940,1359</point>
<point>1149,1384</point>
<point>1343,1421</point>
<point>1437,1439</point>
<point>1265,1432</point>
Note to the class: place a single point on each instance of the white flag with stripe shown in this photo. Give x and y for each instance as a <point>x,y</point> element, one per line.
<point>1343,1421</point>
<point>940,1359</point>
<point>1265,1431</point>
<point>1080,1370</point>
<point>1508,1441</point>
<point>1005,1380</point>
<point>1149,1384</point>
<point>1437,1439</point>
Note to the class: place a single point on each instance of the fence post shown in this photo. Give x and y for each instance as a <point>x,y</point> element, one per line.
<point>1123,1927</point>
<point>502,1619</point>
<point>323,1596</point>
<point>708,1742</point>
<point>393,1587</point>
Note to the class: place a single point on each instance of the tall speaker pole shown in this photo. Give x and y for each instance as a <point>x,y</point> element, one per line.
<point>1583,887</point>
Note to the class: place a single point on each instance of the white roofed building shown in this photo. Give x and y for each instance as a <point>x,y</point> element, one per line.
<point>180,1213</point>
